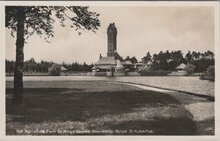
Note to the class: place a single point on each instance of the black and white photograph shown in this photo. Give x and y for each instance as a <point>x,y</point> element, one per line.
<point>110,70</point>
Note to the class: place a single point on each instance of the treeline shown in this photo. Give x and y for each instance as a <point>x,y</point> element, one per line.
<point>78,67</point>
<point>133,59</point>
<point>29,66</point>
<point>168,61</point>
<point>42,67</point>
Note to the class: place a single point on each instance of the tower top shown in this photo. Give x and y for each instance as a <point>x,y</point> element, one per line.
<point>112,27</point>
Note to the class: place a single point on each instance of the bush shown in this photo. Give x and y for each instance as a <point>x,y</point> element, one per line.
<point>190,69</point>
<point>153,73</point>
<point>211,72</point>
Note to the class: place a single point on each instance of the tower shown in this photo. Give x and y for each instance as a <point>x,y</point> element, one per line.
<point>112,39</point>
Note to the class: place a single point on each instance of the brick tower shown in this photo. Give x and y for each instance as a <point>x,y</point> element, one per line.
<point>112,39</point>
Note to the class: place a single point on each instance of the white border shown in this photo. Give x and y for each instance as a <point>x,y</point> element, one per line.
<point>2,73</point>
<point>215,4</point>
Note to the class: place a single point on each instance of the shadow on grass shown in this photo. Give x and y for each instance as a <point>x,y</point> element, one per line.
<point>51,104</point>
<point>206,127</point>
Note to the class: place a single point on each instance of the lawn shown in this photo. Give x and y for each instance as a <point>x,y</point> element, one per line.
<point>95,108</point>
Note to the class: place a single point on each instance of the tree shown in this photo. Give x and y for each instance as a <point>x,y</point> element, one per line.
<point>9,66</point>
<point>190,68</point>
<point>188,57</point>
<point>195,56</point>
<point>147,58</point>
<point>127,58</point>
<point>211,72</point>
<point>28,20</point>
<point>210,54</point>
<point>133,60</point>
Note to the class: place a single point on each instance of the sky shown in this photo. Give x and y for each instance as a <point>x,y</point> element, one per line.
<point>140,29</point>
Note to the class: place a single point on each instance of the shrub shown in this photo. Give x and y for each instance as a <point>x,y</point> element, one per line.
<point>190,69</point>
<point>153,73</point>
<point>211,72</point>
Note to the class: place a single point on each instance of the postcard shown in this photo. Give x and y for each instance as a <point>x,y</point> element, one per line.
<point>109,70</point>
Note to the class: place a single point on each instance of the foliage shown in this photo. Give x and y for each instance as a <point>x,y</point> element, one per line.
<point>188,57</point>
<point>211,72</point>
<point>27,20</point>
<point>41,19</point>
<point>154,73</point>
<point>78,67</point>
<point>147,58</point>
<point>190,68</point>
<point>9,66</point>
<point>32,66</point>
<point>132,59</point>
<point>168,61</point>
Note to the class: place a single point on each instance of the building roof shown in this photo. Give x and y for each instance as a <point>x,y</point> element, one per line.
<point>181,66</point>
<point>106,61</point>
<point>63,68</point>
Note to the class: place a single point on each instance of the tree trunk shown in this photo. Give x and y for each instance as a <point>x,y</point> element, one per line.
<point>18,71</point>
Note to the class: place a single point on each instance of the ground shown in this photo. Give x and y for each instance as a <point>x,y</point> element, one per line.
<point>101,108</point>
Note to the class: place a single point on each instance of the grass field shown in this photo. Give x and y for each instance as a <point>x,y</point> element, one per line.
<point>100,108</point>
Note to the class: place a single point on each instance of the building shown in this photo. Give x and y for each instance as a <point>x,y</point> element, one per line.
<point>54,70</point>
<point>139,66</point>
<point>180,70</point>
<point>112,64</point>
<point>63,70</point>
